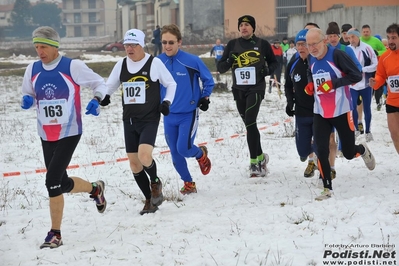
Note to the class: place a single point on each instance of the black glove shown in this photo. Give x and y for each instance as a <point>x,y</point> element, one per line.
<point>203,104</point>
<point>164,108</point>
<point>106,100</point>
<point>289,109</point>
<point>232,57</point>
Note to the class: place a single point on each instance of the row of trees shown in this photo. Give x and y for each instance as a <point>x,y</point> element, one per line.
<point>26,17</point>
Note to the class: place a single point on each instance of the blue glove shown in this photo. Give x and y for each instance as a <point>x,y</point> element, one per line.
<point>27,102</point>
<point>93,108</point>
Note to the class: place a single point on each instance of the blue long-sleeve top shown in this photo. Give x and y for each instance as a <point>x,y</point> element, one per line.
<point>187,70</point>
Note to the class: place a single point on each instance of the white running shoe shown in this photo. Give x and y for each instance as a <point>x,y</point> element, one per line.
<point>325,194</point>
<point>369,137</point>
<point>263,164</point>
<point>368,157</point>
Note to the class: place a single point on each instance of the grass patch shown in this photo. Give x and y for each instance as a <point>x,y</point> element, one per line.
<point>102,68</point>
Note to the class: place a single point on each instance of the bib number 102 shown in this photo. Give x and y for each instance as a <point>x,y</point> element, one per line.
<point>132,91</point>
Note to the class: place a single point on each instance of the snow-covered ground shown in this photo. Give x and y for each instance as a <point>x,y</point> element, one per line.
<point>232,220</point>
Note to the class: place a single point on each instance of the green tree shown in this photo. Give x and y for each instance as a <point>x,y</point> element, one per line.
<point>21,17</point>
<point>46,14</point>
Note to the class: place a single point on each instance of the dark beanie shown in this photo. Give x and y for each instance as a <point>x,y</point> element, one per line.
<point>346,27</point>
<point>333,28</point>
<point>247,18</point>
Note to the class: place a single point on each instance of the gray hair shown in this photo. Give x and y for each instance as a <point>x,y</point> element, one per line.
<point>47,33</point>
<point>317,30</point>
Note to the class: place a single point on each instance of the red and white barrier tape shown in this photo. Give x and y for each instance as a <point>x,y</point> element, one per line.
<point>118,160</point>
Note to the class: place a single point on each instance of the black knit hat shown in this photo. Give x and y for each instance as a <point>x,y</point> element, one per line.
<point>247,18</point>
<point>333,28</point>
<point>346,27</point>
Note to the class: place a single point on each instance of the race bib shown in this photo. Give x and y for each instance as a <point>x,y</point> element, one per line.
<point>219,52</point>
<point>393,82</point>
<point>245,75</point>
<point>319,79</point>
<point>134,92</point>
<point>53,112</point>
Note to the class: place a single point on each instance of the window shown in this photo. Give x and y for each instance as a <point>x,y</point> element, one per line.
<point>290,3</point>
<point>78,31</point>
<point>284,8</point>
<point>92,17</point>
<point>92,4</point>
<point>92,31</point>
<point>76,4</point>
<point>77,18</point>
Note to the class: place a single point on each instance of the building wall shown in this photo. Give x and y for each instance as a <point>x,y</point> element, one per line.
<point>110,9</point>
<point>318,5</point>
<point>262,10</point>
<point>162,13</point>
<point>377,17</point>
<point>201,14</point>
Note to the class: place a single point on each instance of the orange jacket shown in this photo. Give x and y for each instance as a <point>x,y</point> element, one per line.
<point>388,65</point>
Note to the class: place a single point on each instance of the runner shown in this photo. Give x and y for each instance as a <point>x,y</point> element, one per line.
<point>249,84</point>
<point>332,71</point>
<point>388,69</point>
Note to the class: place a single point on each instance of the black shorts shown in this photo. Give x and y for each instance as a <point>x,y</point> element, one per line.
<point>391,109</point>
<point>137,133</point>
<point>57,156</point>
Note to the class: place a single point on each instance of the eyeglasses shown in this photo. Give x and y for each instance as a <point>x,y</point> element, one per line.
<point>300,44</point>
<point>134,45</point>
<point>310,45</point>
<point>169,42</point>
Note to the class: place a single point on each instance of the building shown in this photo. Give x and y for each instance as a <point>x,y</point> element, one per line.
<point>198,20</point>
<point>5,15</point>
<point>272,16</point>
<point>89,18</point>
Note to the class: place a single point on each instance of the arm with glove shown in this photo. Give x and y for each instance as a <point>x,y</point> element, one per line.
<point>28,98</point>
<point>168,84</point>
<point>228,58</point>
<point>289,92</point>
<point>112,83</point>
<point>27,102</point>
<point>93,107</point>
<point>86,77</point>
<point>203,103</point>
<point>309,89</point>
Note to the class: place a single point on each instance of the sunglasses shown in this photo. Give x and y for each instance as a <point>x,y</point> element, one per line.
<point>169,42</point>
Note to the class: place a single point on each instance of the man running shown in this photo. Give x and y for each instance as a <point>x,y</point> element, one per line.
<point>331,73</point>
<point>388,69</point>
<point>249,84</point>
